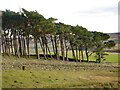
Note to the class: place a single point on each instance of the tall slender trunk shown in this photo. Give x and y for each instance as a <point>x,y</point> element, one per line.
<point>5,45</point>
<point>3,48</point>
<point>36,48</point>
<point>11,40</point>
<point>43,45</point>
<point>82,54</point>
<point>49,52</point>
<point>42,49</point>
<point>24,47</point>
<point>73,51</point>
<point>20,49</point>
<point>62,50</point>
<point>28,45</point>
<point>0,44</point>
<point>46,43</point>
<point>66,51</point>
<point>53,45</point>
<point>57,47</point>
<point>79,55</point>
<point>87,54</point>
<point>15,43</point>
<point>76,55</point>
<point>99,57</point>
<point>9,53</point>
<point>22,43</point>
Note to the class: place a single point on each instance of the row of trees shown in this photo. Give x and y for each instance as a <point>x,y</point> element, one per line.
<point>20,28</point>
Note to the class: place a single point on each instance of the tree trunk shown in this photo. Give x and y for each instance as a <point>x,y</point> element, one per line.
<point>9,53</point>
<point>47,47</point>
<point>76,55</point>
<point>99,57</point>
<point>44,46</point>
<point>87,54</point>
<point>28,45</point>
<point>0,45</point>
<point>20,49</point>
<point>82,54</point>
<point>36,48</point>
<point>73,51</point>
<point>42,49</point>
<point>79,55</point>
<point>49,52</point>
<point>3,48</point>
<point>15,42</point>
<point>62,50</point>
<point>24,47</point>
<point>5,45</point>
<point>53,45</point>
<point>57,48</point>
<point>66,51</point>
<point>11,44</point>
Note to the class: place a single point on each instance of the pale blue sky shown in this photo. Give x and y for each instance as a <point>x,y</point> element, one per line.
<point>95,15</point>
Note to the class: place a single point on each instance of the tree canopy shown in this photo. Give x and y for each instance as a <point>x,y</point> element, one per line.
<point>20,27</point>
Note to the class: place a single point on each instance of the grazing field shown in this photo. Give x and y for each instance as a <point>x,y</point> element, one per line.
<point>57,74</point>
<point>59,79</point>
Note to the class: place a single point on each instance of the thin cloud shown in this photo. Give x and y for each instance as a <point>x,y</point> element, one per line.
<point>113,10</point>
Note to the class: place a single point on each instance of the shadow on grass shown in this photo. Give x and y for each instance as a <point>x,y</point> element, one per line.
<point>54,57</point>
<point>33,56</point>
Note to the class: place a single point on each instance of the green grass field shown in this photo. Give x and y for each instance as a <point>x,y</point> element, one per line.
<point>35,77</point>
<point>105,77</point>
<point>59,79</point>
<point>111,57</point>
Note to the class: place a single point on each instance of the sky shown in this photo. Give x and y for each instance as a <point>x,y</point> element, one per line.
<point>95,15</point>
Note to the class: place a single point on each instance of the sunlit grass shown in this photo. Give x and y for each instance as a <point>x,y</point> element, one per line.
<point>57,79</point>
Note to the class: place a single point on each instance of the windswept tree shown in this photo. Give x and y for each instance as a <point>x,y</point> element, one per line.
<point>100,43</point>
<point>88,44</point>
<point>60,33</point>
<point>63,31</point>
<point>67,37</point>
<point>19,27</point>
<point>80,35</point>
<point>11,21</point>
<point>52,31</point>
<point>35,20</point>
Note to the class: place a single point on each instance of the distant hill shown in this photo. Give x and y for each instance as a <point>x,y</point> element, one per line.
<point>115,36</point>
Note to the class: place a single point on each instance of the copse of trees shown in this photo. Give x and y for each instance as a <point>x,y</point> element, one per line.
<point>19,28</point>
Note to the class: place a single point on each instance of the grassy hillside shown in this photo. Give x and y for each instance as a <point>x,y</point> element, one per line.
<point>57,74</point>
<point>59,79</point>
<point>41,64</point>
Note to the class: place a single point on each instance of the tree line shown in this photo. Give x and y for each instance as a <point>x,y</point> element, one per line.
<point>19,28</point>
